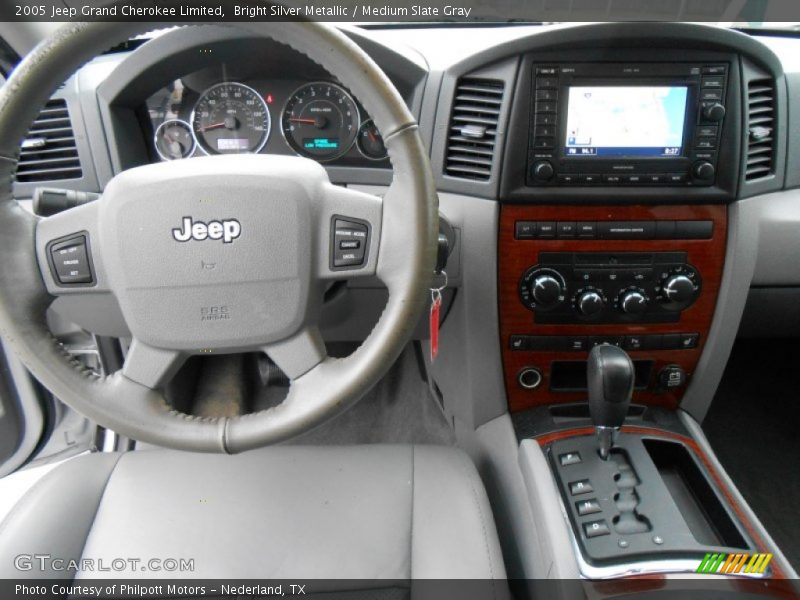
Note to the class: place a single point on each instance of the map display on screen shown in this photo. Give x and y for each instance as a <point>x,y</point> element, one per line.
<point>636,121</point>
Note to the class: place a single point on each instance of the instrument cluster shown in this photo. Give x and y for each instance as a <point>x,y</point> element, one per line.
<point>319,120</point>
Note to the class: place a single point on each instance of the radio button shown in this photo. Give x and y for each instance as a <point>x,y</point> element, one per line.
<point>612,178</point>
<point>546,95</point>
<point>710,95</point>
<point>708,143</point>
<point>712,82</point>
<point>587,229</point>
<point>568,178</point>
<point>633,179</point>
<point>655,178</point>
<point>545,131</point>
<point>590,178</point>
<point>546,70</point>
<point>547,83</point>
<point>706,130</point>
<point>714,70</point>
<point>545,120</point>
<point>676,177</point>
<point>544,143</point>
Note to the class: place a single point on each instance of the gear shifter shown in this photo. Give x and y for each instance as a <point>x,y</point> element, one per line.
<point>610,380</point>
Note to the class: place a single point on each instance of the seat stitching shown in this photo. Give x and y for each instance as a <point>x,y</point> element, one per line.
<point>469,476</point>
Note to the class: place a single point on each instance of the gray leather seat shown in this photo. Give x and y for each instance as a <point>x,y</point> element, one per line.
<point>289,512</point>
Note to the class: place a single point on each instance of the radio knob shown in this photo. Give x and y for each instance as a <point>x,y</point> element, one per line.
<point>679,288</point>
<point>543,171</point>
<point>590,303</point>
<point>633,302</point>
<point>547,291</point>
<point>714,112</point>
<point>704,171</point>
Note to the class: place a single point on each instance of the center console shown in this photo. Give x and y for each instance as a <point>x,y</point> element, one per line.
<point>611,249</point>
<point>644,278</point>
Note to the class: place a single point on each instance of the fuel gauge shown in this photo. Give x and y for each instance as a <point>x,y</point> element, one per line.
<point>370,142</point>
<point>174,140</point>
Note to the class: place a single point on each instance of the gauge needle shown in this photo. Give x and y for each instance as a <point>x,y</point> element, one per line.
<point>299,120</point>
<point>214,126</point>
<point>372,137</point>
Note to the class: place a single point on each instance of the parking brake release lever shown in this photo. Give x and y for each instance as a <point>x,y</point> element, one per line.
<point>610,378</point>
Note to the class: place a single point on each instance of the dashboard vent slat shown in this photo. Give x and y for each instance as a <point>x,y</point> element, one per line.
<point>473,128</point>
<point>760,129</point>
<point>49,151</point>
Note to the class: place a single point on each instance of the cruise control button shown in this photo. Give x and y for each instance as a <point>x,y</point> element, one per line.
<point>70,259</point>
<point>349,243</point>
<point>596,528</point>
<point>584,486</point>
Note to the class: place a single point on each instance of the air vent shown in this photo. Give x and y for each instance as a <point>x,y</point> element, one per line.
<point>760,128</point>
<point>48,151</point>
<point>473,128</point>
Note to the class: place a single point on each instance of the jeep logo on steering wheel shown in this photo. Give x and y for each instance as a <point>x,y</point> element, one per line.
<point>226,230</point>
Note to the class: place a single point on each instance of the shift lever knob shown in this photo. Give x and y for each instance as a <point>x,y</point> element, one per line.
<point>610,380</point>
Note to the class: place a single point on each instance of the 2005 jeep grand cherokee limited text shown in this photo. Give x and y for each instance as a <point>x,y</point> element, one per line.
<point>291,307</point>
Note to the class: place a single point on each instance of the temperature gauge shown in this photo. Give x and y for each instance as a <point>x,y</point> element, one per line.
<point>370,142</point>
<point>174,140</point>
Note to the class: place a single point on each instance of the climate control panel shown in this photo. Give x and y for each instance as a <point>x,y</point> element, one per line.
<point>603,287</point>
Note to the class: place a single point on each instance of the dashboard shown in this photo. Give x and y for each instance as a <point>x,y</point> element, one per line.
<point>204,113</point>
<point>603,183</point>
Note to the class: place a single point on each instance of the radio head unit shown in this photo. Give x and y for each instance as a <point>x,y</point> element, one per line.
<point>626,124</point>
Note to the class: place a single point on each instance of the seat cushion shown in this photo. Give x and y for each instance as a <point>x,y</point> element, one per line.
<point>358,512</point>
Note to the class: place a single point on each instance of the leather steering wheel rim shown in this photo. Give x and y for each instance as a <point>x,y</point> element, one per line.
<point>410,207</point>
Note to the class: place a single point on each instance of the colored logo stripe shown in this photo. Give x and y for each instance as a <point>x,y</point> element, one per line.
<point>734,563</point>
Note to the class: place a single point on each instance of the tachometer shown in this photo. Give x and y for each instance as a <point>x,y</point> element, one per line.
<point>320,121</point>
<point>231,118</point>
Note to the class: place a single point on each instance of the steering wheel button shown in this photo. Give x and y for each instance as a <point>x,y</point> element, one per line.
<point>70,261</point>
<point>349,244</point>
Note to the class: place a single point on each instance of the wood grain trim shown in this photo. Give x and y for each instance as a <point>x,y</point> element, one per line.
<point>515,256</point>
<point>549,438</point>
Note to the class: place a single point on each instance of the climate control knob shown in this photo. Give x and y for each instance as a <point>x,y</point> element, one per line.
<point>679,289</point>
<point>547,290</point>
<point>633,302</point>
<point>542,288</point>
<point>590,302</point>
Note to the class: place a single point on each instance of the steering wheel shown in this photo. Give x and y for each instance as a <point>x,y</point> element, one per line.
<point>216,255</point>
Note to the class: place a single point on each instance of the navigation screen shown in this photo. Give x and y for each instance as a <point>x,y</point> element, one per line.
<point>625,121</point>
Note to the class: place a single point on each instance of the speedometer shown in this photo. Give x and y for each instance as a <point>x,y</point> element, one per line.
<point>320,121</point>
<point>231,118</point>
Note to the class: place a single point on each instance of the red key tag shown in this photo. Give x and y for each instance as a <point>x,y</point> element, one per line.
<point>436,305</point>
